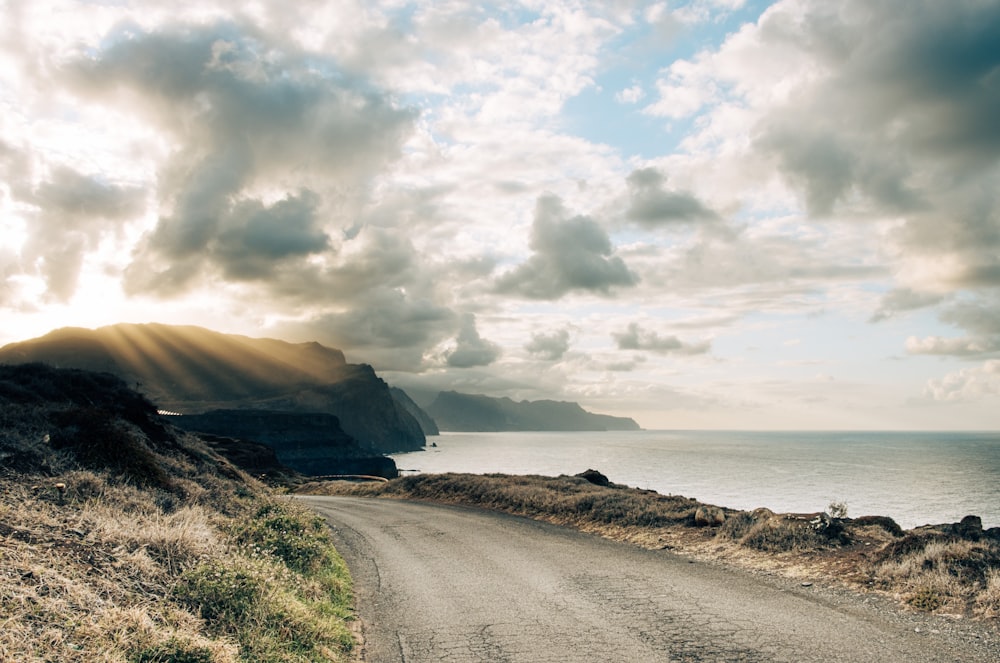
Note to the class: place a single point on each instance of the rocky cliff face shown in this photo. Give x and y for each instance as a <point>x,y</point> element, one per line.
<point>192,370</point>
<point>403,400</point>
<point>311,443</point>
<point>467,412</point>
<point>365,407</point>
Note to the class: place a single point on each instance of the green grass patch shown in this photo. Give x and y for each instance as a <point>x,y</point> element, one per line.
<point>283,595</point>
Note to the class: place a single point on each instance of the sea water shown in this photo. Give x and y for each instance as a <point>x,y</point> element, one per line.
<point>915,478</point>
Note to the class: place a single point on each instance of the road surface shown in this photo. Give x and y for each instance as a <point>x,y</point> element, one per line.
<point>447,584</point>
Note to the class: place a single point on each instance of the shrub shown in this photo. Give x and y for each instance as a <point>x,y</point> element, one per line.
<point>837,509</point>
<point>779,535</point>
<point>736,526</point>
<point>101,441</point>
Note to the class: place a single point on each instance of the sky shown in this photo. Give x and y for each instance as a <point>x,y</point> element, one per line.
<point>700,214</point>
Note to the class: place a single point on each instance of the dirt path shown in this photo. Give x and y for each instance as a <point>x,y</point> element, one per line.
<point>438,583</point>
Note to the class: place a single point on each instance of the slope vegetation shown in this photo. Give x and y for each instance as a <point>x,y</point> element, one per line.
<point>124,539</point>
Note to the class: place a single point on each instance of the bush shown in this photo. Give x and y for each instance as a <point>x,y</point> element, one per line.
<point>99,440</point>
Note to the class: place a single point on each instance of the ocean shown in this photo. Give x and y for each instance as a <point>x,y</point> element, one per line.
<point>916,478</point>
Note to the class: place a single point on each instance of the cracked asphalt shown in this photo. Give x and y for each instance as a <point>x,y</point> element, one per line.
<point>451,584</point>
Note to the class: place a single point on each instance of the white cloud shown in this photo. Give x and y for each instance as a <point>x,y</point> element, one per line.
<point>937,345</point>
<point>967,385</point>
<point>630,95</point>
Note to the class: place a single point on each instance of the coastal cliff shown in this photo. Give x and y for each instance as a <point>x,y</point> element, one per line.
<point>454,411</point>
<point>192,370</point>
<point>311,443</point>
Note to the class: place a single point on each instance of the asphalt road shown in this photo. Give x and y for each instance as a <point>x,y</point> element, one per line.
<point>444,584</point>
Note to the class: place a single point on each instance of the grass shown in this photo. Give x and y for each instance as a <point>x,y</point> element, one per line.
<point>932,570</point>
<point>122,540</point>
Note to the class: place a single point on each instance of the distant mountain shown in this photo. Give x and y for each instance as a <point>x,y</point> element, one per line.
<point>468,412</point>
<point>191,370</point>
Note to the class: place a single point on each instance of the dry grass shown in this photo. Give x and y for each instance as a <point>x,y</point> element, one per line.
<point>935,571</point>
<point>150,549</point>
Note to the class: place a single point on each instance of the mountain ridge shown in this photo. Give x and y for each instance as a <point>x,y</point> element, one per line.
<point>454,411</point>
<point>192,370</point>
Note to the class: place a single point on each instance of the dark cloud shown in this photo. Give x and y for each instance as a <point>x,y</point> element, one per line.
<point>650,204</point>
<point>637,338</point>
<point>392,331</point>
<point>255,237</point>
<point>902,300</point>
<point>978,317</point>
<point>471,349</point>
<point>898,121</point>
<point>569,254</point>
<point>550,347</point>
<point>68,192</point>
<point>246,114</point>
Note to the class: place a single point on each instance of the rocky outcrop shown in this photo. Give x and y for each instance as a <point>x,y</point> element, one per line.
<point>595,477</point>
<point>254,458</point>
<point>191,370</point>
<point>311,443</point>
<point>468,412</point>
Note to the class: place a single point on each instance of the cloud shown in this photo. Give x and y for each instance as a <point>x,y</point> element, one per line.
<point>570,254</point>
<point>980,317</point>
<point>967,384</point>
<point>471,349</point>
<point>247,115</point>
<point>254,238</point>
<point>961,347</point>
<point>902,300</point>
<point>630,95</point>
<point>67,214</point>
<point>650,204</point>
<point>550,347</point>
<point>392,331</point>
<point>894,118</point>
<point>636,338</point>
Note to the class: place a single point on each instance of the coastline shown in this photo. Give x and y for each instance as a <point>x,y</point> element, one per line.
<point>915,478</point>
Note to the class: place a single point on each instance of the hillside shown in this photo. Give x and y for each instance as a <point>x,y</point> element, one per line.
<point>191,370</point>
<point>468,412</point>
<point>125,539</point>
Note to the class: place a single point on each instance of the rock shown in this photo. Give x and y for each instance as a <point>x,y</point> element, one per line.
<point>970,527</point>
<point>708,516</point>
<point>594,477</point>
